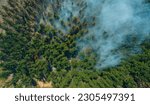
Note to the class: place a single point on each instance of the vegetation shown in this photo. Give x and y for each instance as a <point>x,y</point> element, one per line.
<point>33,52</point>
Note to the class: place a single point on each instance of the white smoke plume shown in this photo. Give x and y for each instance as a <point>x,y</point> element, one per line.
<point>116,23</point>
<point>121,20</point>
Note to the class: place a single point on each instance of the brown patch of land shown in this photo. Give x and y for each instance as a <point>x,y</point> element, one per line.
<point>41,84</point>
<point>2,81</point>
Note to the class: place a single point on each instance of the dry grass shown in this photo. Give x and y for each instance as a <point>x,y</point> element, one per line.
<point>41,84</point>
<point>2,81</point>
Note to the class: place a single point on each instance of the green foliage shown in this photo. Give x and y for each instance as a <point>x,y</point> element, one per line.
<point>132,73</point>
<point>33,50</point>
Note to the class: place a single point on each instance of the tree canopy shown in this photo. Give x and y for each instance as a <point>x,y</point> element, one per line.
<point>32,50</point>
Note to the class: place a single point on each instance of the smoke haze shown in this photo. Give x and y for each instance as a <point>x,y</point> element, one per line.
<point>116,23</point>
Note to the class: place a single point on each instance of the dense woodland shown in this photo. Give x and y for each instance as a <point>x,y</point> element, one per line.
<point>32,51</point>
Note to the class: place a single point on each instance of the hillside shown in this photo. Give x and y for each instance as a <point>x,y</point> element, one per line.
<point>63,44</point>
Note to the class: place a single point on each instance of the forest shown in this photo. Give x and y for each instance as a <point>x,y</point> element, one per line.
<point>64,44</point>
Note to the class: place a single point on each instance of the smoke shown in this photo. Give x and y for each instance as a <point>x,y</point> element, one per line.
<point>116,23</point>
